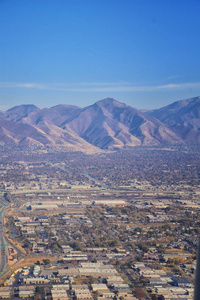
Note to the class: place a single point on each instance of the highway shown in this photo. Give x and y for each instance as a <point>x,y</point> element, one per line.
<point>4,242</point>
<point>3,247</point>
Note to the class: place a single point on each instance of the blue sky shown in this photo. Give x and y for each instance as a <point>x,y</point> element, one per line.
<point>145,53</point>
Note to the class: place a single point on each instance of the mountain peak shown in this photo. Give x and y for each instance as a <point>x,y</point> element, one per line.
<point>17,113</point>
<point>107,124</point>
<point>23,107</point>
<point>66,106</point>
<point>110,102</point>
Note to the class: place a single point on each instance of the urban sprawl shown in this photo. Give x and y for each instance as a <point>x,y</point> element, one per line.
<point>120,225</point>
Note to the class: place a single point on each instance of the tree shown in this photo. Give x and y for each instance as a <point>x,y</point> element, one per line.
<point>161,297</point>
<point>96,294</point>
<point>27,245</point>
<point>8,196</point>
<point>113,243</point>
<point>46,261</point>
<point>77,246</point>
<point>131,286</point>
<point>161,249</point>
<point>143,280</point>
<point>38,293</point>
<point>142,246</point>
<point>139,293</point>
<point>91,279</point>
<point>38,290</point>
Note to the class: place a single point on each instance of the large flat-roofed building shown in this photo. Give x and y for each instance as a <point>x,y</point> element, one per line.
<point>4,292</point>
<point>181,281</point>
<point>109,202</point>
<point>60,295</point>
<point>60,292</point>
<point>36,280</point>
<point>100,287</point>
<point>75,257</point>
<point>26,291</point>
<point>82,292</point>
<point>44,206</point>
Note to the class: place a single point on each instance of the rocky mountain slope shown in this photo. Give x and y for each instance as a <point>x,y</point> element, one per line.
<point>183,118</point>
<point>107,124</point>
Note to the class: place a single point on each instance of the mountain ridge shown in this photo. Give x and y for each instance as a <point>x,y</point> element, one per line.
<point>105,125</point>
<point>182,117</point>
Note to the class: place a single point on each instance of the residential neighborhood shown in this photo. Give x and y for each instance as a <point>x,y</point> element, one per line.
<point>84,237</point>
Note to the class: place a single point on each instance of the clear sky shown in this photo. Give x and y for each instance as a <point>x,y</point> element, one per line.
<point>145,53</point>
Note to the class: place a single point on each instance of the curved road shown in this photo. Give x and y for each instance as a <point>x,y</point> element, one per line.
<point>3,247</point>
<point>4,242</point>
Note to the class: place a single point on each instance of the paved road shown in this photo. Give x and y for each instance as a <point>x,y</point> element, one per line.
<point>14,246</point>
<point>3,247</point>
<point>96,181</point>
<point>4,242</point>
<point>132,280</point>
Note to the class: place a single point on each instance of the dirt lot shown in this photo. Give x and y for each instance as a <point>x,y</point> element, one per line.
<point>25,262</point>
<point>11,260</point>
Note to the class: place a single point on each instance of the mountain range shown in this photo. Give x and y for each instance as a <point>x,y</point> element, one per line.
<point>107,124</point>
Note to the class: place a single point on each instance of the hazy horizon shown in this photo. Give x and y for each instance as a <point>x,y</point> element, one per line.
<point>145,54</point>
<point>74,104</point>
